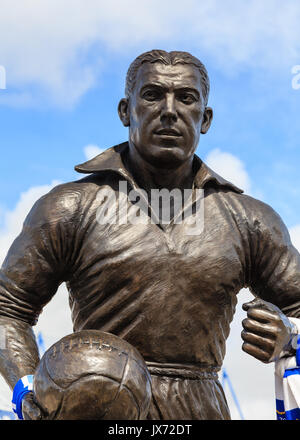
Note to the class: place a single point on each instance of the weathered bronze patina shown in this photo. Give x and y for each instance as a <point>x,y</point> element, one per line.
<point>170,294</point>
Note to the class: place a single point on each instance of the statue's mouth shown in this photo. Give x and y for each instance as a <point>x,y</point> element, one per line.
<point>167,132</point>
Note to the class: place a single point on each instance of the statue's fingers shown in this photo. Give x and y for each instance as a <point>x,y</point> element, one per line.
<point>259,303</point>
<point>256,352</point>
<point>262,315</point>
<point>265,344</point>
<point>256,302</point>
<point>259,328</point>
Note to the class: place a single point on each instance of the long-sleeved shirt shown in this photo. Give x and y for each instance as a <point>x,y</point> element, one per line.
<point>170,294</point>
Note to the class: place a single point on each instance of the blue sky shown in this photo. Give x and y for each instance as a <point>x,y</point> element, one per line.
<point>256,111</point>
<point>65,68</point>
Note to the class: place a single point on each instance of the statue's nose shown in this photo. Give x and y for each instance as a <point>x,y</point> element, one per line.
<point>168,111</point>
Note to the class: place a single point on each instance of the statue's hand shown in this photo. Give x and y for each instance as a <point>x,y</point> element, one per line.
<point>266,330</point>
<point>30,409</point>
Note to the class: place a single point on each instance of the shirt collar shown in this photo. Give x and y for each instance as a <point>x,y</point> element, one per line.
<point>111,160</point>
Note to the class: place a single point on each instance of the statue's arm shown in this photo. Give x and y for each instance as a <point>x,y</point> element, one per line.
<point>275,281</point>
<point>275,265</point>
<point>24,289</point>
<point>19,357</point>
<point>36,264</point>
<point>19,354</point>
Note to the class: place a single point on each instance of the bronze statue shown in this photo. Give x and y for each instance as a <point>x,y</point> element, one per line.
<point>170,294</point>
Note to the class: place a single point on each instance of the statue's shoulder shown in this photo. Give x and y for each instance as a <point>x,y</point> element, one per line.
<point>258,214</point>
<point>257,206</point>
<point>63,202</point>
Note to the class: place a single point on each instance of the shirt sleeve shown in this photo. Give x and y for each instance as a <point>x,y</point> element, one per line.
<point>275,272</point>
<point>38,260</point>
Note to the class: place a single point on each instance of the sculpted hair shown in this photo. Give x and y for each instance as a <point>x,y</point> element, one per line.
<point>167,58</point>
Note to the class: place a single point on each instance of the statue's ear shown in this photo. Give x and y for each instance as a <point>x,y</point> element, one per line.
<point>123,110</point>
<point>207,118</point>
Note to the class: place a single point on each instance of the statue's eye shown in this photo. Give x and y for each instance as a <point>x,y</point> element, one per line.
<point>187,98</point>
<point>151,95</point>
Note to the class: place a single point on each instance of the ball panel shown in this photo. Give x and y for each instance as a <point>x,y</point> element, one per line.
<point>67,360</point>
<point>138,380</point>
<point>124,407</point>
<point>88,398</point>
<point>48,395</point>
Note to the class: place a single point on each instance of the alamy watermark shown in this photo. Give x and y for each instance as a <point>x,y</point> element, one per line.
<point>2,77</point>
<point>161,206</point>
<point>296,78</point>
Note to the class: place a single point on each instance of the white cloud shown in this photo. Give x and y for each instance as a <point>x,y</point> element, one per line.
<point>230,167</point>
<point>57,47</point>
<point>13,220</point>
<point>91,151</point>
<point>295,236</point>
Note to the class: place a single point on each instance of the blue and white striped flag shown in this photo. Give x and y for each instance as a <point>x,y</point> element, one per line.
<point>287,383</point>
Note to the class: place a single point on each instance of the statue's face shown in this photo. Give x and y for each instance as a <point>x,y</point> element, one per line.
<point>166,113</point>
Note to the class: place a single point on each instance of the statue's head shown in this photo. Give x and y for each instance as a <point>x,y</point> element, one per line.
<point>165,106</point>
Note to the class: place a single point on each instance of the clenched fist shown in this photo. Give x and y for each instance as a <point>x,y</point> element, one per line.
<point>30,409</point>
<point>267,331</point>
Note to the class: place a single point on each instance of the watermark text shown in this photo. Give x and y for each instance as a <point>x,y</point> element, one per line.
<point>161,206</point>
<point>296,78</point>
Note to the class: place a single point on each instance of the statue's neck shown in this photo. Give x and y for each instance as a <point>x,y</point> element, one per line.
<point>150,177</point>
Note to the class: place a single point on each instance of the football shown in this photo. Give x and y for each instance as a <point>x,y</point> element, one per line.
<point>92,375</point>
